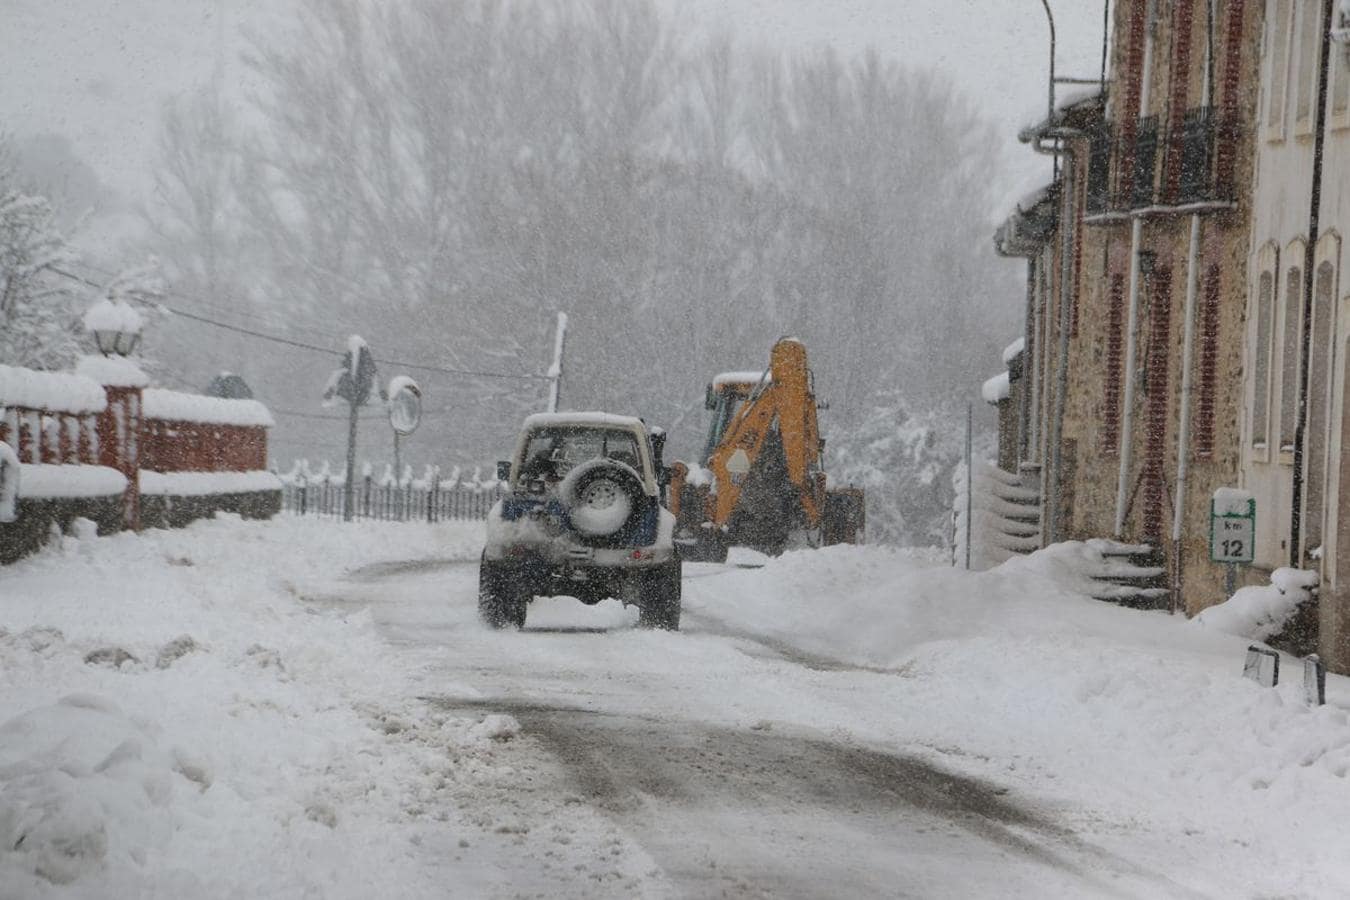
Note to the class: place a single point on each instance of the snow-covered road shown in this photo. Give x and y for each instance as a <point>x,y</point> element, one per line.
<point>733,762</point>
<point>305,709</point>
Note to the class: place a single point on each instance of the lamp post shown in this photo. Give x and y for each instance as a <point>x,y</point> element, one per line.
<point>116,327</point>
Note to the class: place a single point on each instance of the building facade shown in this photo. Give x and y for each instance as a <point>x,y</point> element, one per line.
<point>1137,295</point>
<point>1298,314</point>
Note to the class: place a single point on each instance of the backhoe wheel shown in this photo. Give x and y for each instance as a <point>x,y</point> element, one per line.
<point>500,603</point>
<point>660,602</point>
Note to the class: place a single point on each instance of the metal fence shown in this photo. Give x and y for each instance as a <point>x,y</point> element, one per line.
<point>430,502</point>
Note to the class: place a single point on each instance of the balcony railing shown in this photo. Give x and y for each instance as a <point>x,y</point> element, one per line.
<point>1198,154</point>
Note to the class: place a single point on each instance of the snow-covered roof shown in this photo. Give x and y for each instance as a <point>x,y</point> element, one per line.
<point>57,392</point>
<point>175,406</point>
<point>547,420</point>
<point>112,371</point>
<point>1010,352</point>
<point>747,377</point>
<point>997,388</point>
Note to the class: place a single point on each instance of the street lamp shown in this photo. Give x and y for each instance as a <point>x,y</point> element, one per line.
<point>116,327</point>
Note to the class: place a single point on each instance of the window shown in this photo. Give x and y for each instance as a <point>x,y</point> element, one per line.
<point>1265,309</point>
<point>1115,356</point>
<point>1293,294</point>
<point>1209,365</point>
<point>1309,50</point>
<point>1276,79</point>
<point>1319,385</point>
<point>1340,86</point>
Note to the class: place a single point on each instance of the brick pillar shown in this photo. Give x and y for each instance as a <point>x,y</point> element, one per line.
<point>119,440</point>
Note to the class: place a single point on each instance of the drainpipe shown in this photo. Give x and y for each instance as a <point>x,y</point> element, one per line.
<point>1309,260</point>
<point>1188,347</point>
<point>1132,318</point>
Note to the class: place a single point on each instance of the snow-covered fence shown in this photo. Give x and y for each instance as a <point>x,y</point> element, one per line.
<point>52,426</point>
<point>403,498</point>
<point>96,443</point>
<point>1005,516</point>
<point>201,455</point>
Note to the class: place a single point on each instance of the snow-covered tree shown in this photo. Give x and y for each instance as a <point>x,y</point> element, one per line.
<point>39,314</point>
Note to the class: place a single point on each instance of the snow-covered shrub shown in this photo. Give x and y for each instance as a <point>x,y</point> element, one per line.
<point>1261,612</point>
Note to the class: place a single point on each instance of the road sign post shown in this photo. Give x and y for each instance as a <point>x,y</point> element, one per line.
<point>1232,532</point>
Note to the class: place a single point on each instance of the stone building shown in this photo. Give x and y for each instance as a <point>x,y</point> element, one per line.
<point>1137,285</point>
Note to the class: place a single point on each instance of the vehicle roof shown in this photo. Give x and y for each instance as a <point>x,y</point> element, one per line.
<point>740,378</point>
<point>608,420</point>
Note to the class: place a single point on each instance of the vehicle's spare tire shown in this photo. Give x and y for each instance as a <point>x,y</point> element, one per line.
<point>603,497</point>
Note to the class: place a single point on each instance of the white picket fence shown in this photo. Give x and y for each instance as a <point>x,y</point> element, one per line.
<point>309,492</point>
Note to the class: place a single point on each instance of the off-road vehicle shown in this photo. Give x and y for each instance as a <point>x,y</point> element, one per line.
<point>582,518</point>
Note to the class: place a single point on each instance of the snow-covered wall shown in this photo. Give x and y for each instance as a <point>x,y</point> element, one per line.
<point>53,392</point>
<point>176,406</point>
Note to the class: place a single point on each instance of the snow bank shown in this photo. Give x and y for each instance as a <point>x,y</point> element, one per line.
<point>184,714</point>
<point>174,406</point>
<point>1135,727</point>
<point>85,791</point>
<point>45,481</point>
<point>112,371</point>
<point>1259,612</point>
<point>50,391</point>
<point>196,484</point>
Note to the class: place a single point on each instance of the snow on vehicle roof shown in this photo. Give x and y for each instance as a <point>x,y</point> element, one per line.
<point>746,377</point>
<point>997,388</point>
<point>1010,352</point>
<point>175,406</point>
<point>57,392</point>
<point>545,420</point>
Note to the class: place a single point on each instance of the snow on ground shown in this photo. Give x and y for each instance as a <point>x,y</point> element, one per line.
<point>214,712</point>
<point>1136,723</point>
<point>180,717</point>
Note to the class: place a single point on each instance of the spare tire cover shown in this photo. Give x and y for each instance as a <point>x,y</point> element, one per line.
<point>602,496</point>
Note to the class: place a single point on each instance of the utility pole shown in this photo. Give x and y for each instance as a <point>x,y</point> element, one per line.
<point>555,371</point>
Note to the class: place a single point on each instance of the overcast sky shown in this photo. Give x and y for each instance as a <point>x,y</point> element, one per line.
<point>97,70</point>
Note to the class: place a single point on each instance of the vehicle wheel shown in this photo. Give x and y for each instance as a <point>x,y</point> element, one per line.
<point>660,603</point>
<point>604,498</point>
<point>500,604</point>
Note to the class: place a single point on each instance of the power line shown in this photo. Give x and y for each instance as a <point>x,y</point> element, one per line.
<point>303,345</point>
<point>297,414</point>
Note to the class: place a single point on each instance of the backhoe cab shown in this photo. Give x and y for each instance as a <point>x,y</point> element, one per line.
<point>761,483</point>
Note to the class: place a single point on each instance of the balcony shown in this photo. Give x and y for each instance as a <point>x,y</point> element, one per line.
<point>1127,175</point>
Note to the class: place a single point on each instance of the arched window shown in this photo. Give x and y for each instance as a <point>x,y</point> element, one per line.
<point>1261,362</point>
<point>1290,324</point>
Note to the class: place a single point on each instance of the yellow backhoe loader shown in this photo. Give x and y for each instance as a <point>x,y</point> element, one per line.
<point>760,483</point>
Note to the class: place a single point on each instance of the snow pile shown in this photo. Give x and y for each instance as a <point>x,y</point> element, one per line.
<point>84,790</point>
<point>1135,727</point>
<point>185,715</point>
<point>50,391</point>
<point>1259,612</point>
<point>113,371</point>
<point>175,406</point>
<point>43,480</point>
<point>197,484</point>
